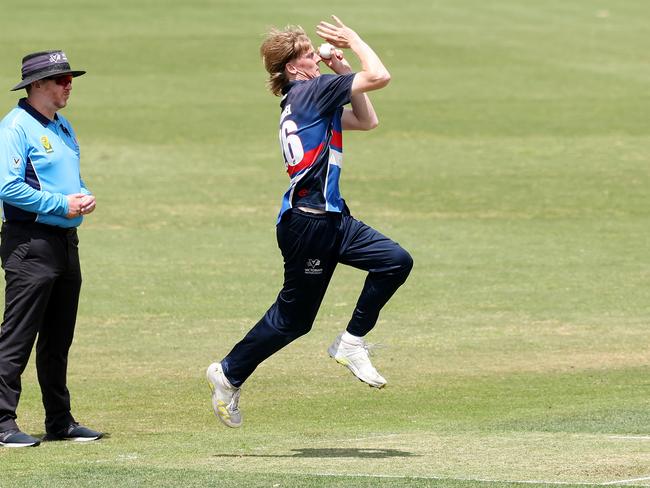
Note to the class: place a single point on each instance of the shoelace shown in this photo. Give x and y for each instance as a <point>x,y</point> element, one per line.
<point>371,347</point>
<point>366,349</point>
<point>233,406</point>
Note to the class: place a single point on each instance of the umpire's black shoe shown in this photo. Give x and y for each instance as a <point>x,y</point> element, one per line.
<point>74,432</point>
<point>16,438</point>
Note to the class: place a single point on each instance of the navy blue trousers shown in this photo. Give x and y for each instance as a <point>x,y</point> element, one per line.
<point>312,245</point>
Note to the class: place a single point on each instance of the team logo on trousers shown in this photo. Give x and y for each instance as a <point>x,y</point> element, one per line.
<point>312,267</point>
<point>46,144</point>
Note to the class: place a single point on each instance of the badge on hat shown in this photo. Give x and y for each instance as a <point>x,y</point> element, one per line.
<point>46,144</point>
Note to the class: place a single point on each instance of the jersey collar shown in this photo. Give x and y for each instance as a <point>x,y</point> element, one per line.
<point>288,86</point>
<point>22,103</point>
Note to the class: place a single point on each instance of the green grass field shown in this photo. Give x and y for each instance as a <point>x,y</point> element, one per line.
<point>511,160</point>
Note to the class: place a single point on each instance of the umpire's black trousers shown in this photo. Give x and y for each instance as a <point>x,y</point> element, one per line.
<point>43,280</point>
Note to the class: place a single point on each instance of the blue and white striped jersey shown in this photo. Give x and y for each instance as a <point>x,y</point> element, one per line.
<point>311,141</point>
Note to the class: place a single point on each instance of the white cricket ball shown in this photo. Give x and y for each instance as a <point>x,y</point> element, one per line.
<point>326,50</point>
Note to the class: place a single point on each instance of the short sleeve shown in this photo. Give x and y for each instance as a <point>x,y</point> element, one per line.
<point>332,92</point>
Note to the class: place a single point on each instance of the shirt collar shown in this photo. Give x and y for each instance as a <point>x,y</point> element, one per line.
<point>22,103</point>
<point>288,86</point>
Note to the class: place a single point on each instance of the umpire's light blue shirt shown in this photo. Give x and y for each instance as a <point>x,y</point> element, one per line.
<point>39,166</point>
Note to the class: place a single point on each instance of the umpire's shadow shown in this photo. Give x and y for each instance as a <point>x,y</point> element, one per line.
<point>331,452</point>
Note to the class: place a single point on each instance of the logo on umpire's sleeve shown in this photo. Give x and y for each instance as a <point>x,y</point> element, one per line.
<point>312,267</point>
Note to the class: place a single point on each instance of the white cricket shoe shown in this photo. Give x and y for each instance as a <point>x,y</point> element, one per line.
<point>225,397</point>
<point>354,356</point>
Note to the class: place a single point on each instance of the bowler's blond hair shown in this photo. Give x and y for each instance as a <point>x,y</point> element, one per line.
<point>280,47</point>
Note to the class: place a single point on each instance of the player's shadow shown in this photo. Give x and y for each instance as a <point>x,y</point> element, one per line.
<point>343,452</point>
<point>331,452</point>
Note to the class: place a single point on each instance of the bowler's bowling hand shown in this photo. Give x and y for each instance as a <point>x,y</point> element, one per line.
<point>339,35</point>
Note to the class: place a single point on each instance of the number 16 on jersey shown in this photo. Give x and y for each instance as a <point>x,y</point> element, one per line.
<point>291,143</point>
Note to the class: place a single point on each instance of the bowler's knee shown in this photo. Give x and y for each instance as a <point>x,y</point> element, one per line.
<point>403,262</point>
<point>293,325</point>
<point>406,262</point>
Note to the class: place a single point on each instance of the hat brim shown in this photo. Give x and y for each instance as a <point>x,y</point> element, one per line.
<point>42,75</point>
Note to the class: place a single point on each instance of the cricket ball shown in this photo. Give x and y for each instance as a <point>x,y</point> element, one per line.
<point>326,50</point>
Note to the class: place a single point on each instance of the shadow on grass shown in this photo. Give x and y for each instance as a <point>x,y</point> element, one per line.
<point>331,452</point>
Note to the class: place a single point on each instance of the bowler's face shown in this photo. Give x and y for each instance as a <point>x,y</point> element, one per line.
<point>307,64</point>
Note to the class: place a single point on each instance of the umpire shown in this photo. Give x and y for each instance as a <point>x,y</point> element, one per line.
<point>43,203</point>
